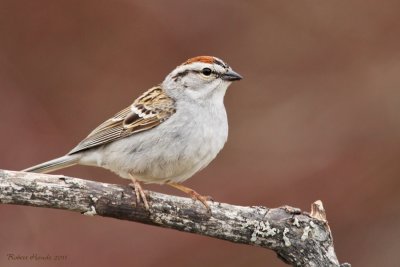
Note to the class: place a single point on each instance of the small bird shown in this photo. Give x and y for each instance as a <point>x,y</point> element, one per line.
<point>169,133</point>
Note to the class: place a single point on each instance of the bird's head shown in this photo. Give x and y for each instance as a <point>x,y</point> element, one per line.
<point>200,78</point>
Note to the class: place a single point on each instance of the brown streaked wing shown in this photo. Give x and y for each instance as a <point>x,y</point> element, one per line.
<point>151,109</point>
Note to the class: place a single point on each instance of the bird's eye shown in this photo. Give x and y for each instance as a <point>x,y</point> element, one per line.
<point>206,71</point>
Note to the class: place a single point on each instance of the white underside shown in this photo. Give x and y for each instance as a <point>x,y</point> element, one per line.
<point>171,152</point>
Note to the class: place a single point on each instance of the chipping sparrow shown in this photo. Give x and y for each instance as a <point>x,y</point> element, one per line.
<point>168,134</point>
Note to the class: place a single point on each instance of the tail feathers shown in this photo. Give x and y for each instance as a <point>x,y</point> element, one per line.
<point>55,164</point>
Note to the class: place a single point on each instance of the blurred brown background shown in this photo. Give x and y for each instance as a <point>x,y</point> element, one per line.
<point>316,117</point>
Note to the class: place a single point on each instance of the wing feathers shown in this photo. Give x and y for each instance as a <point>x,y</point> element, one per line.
<point>148,111</point>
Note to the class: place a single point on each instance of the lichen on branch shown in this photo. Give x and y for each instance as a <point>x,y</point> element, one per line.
<point>299,238</point>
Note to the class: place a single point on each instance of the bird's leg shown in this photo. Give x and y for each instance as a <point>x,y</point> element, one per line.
<point>139,192</point>
<point>193,194</point>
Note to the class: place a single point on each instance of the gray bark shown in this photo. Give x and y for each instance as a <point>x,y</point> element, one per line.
<point>299,238</point>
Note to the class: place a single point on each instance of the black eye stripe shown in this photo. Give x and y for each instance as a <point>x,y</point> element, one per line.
<point>213,72</point>
<point>181,74</point>
<point>201,71</point>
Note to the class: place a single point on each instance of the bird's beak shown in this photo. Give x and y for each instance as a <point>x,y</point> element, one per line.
<point>231,75</point>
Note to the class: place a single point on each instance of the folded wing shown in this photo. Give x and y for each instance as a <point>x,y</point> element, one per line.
<point>148,111</point>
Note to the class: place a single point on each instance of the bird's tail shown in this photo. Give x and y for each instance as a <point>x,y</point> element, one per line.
<point>55,164</point>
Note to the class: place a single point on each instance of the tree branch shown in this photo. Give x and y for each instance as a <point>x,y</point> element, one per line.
<point>299,238</point>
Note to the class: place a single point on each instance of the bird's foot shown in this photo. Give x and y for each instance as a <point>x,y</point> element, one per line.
<point>194,195</point>
<point>139,192</point>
